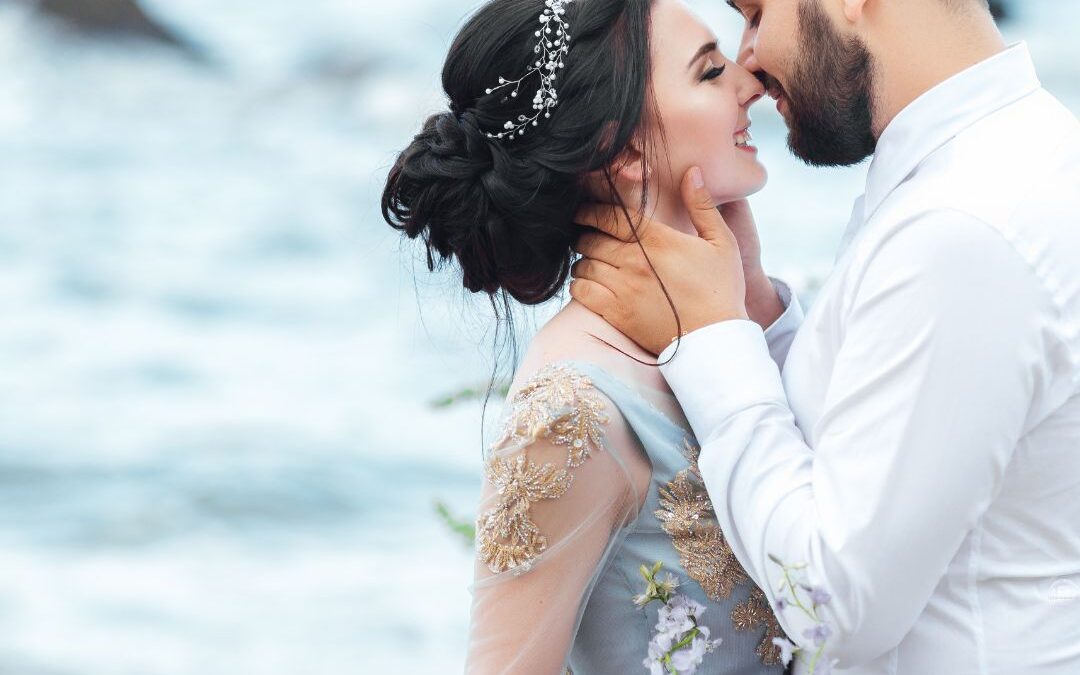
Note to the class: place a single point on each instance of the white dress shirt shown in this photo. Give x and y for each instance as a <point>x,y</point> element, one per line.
<point>921,450</point>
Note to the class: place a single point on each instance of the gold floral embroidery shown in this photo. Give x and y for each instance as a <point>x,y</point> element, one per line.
<point>755,613</point>
<point>561,405</point>
<point>558,405</point>
<point>687,515</point>
<point>510,538</point>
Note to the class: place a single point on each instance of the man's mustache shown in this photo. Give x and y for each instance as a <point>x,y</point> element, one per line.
<point>771,84</point>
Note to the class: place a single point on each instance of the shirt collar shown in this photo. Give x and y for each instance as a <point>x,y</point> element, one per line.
<point>941,113</point>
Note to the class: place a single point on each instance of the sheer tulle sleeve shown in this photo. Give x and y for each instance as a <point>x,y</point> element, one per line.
<point>557,490</point>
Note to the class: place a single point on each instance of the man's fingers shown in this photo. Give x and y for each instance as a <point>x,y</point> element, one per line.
<point>737,210</point>
<point>611,220</point>
<point>706,218</point>
<point>598,298</point>
<point>602,247</point>
<point>595,270</point>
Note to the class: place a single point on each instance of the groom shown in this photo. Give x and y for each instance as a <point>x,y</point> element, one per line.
<point>915,439</point>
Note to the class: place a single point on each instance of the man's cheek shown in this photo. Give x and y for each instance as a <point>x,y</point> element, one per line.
<point>768,49</point>
<point>768,64</point>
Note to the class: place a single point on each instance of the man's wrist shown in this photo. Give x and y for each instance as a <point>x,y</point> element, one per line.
<point>763,303</point>
<point>697,324</point>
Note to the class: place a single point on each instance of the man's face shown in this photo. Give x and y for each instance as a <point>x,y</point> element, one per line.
<point>821,79</point>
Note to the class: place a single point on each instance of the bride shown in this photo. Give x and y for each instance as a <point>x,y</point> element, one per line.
<point>594,479</point>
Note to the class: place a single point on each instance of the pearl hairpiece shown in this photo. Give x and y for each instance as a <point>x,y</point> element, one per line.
<point>554,44</point>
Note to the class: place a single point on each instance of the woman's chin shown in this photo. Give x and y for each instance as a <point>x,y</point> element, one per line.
<point>758,188</point>
<point>750,178</point>
<point>760,181</point>
<point>752,185</point>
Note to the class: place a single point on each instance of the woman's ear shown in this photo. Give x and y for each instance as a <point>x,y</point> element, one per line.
<point>627,168</point>
<point>630,166</point>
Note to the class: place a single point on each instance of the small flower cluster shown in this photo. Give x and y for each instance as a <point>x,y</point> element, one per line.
<point>815,598</point>
<point>679,644</point>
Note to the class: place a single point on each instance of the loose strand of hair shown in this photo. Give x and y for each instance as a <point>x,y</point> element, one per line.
<point>637,239</point>
<point>503,320</point>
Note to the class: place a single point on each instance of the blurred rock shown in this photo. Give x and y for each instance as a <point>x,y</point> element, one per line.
<point>1000,9</point>
<point>123,18</point>
<point>339,66</point>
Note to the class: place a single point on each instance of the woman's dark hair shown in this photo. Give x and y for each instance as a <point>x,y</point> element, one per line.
<point>504,209</point>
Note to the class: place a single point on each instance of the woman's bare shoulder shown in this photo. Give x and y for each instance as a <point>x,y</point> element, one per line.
<point>576,333</point>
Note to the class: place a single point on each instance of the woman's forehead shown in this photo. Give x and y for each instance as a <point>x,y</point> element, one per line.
<point>679,28</point>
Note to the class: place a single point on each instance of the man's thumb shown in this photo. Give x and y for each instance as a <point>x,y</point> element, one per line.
<point>707,220</point>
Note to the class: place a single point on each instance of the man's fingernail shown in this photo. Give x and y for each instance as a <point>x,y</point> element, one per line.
<point>697,178</point>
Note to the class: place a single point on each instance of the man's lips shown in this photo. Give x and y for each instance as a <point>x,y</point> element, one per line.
<point>772,85</point>
<point>781,102</point>
<point>776,92</point>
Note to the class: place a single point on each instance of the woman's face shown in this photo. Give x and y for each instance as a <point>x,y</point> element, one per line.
<point>703,100</point>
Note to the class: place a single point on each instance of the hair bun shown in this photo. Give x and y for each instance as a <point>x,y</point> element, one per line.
<point>459,141</point>
<point>444,189</point>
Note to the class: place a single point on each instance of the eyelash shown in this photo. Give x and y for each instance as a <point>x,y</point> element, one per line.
<point>713,73</point>
<point>751,21</point>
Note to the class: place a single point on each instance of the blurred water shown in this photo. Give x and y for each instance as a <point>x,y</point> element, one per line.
<point>217,453</point>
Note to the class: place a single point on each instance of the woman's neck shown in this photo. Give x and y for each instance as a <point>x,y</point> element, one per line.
<point>667,208</point>
<point>671,211</point>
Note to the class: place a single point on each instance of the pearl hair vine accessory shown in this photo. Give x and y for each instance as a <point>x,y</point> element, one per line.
<point>554,44</point>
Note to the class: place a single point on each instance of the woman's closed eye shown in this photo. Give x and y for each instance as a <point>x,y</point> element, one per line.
<point>713,73</point>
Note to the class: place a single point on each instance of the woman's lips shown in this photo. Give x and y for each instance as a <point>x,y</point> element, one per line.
<point>743,139</point>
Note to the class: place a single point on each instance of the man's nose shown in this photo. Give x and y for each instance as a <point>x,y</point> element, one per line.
<point>747,57</point>
<point>748,60</point>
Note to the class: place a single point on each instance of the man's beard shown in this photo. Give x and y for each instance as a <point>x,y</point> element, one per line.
<point>830,95</point>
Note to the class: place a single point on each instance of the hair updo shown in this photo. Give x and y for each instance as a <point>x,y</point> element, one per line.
<point>504,209</point>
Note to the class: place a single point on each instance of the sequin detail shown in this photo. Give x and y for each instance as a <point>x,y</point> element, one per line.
<point>753,614</point>
<point>557,405</point>
<point>687,516</point>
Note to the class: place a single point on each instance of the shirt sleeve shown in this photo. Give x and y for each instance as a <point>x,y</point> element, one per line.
<point>780,334</point>
<point>556,491</point>
<point>941,357</point>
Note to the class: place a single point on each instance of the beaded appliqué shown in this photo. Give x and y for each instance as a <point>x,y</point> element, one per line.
<point>687,515</point>
<point>557,405</point>
<point>560,405</point>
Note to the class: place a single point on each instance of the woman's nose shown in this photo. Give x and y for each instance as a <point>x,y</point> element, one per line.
<point>750,87</point>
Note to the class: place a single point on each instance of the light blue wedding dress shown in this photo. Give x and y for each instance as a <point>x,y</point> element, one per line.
<point>593,477</point>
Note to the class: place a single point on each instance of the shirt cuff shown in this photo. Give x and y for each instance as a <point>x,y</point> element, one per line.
<point>720,370</point>
<point>779,335</point>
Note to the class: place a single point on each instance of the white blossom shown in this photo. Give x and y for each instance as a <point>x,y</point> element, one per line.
<point>679,643</point>
<point>678,616</point>
<point>787,649</point>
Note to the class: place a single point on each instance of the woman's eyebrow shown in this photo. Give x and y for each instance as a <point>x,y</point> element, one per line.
<point>734,4</point>
<point>707,48</point>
